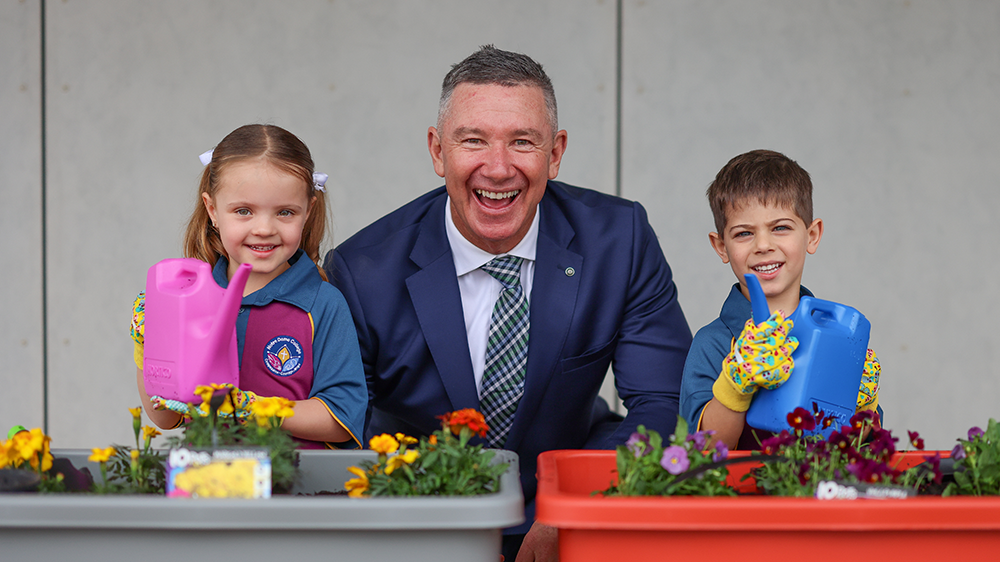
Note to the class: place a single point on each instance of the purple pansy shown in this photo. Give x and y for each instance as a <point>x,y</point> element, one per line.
<point>958,453</point>
<point>638,444</point>
<point>721,451</point>
<point>675,460</point>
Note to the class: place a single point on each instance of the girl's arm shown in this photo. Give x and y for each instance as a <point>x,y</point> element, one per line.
<point>313,421</point>
<point>164,419</point>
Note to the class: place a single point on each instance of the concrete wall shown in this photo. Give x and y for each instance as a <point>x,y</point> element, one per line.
<point>890,105</point>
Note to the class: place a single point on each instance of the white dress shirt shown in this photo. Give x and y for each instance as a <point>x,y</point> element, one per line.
<point>479,289</point>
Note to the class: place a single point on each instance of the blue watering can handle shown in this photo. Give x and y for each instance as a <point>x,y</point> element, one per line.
<point>758,302</point>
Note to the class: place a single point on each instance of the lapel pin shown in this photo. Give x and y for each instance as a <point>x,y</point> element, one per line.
<point>570,272</point>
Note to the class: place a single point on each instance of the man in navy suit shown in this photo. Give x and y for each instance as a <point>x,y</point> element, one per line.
<point>599,290</point>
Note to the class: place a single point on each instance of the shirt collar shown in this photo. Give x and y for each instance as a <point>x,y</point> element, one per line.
<point>468,257</point>
<point>296,286</point>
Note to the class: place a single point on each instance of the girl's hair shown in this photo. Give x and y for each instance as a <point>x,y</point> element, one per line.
<point>279,148</point>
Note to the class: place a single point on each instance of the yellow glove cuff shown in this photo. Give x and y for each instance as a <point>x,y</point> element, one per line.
<point>729,395</point>
<point>137,354</point>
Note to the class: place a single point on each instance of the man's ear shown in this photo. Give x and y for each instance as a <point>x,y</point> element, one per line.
<point>555,156</point>
<point>719,245</point>
<point>435,148</point>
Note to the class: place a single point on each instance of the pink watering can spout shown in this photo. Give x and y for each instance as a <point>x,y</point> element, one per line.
<point>229,308</point>
<point>190,328</point>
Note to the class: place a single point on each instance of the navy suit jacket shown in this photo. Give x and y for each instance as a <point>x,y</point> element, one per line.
<point>602,295</point>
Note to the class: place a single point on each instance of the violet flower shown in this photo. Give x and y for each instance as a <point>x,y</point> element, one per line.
<point>721,452</point>
<point>801,419</point>
<point>638,444</point>
<point>975,432</point>
<point>675,460</point>
<point>958,453</point>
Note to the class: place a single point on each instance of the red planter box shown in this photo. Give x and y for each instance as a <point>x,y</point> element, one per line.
<point>753,527</point>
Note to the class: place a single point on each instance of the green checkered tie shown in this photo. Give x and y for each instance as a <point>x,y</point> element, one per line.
<point>506,350</point>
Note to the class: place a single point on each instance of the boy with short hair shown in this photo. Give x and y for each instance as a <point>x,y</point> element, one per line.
<point>762,205</point>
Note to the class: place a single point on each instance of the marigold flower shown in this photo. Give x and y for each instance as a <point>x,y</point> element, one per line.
<point>101,455</point>
<point>272,407</point>
<point>384,444</point>
<point>397,461</point>
<point>136,412</point>
<point>30,445</point>
<point>405,439</point>
<point>6,453</point>
<point>149,432</point>
<point>467,417</point>
<point>433,439</point>
<point>134,453</point>
<point>356,487</point>
<point>675,460</point>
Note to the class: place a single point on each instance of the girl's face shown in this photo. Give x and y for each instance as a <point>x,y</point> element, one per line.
<point>260,211</point>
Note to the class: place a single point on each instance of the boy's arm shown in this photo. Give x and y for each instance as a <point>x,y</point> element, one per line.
<point>727,424</point>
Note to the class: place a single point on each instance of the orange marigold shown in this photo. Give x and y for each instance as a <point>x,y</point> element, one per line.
<point>468,417</point>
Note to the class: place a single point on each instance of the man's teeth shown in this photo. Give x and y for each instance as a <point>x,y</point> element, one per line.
<point>497,195</point>
<point>767,268</point>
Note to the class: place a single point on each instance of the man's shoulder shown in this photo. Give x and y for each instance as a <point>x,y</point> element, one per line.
<point>591,213</point>
<point>582,199</point>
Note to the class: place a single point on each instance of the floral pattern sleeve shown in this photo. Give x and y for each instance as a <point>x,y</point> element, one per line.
<point>138,327</point>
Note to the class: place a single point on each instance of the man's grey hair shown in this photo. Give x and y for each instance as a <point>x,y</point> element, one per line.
<point>490,65</point>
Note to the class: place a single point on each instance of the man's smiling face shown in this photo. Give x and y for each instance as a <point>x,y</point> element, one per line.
<point>496,150</point>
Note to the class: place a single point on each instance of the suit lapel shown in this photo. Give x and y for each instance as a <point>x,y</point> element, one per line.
<point>438,304</point>
<point>553,300</point>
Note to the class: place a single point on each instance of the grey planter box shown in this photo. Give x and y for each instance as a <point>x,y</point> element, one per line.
<point>75,527</point>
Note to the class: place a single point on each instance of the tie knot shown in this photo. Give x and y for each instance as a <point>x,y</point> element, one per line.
<point>505,269</point>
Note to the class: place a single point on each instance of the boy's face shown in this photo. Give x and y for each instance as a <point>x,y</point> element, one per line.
<point>770,241</point>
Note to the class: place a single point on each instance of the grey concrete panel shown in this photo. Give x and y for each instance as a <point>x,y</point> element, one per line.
<point>892,108</point>
<point>138,89</point>
<point>21,386</point>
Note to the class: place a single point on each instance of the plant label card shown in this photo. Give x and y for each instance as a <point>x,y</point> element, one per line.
<point>219,473</point>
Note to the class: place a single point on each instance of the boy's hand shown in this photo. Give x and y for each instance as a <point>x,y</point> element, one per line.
<point>868,392</point>
<point>760,358</point>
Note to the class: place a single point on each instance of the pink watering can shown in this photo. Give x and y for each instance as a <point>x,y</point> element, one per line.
<point>190,328</point>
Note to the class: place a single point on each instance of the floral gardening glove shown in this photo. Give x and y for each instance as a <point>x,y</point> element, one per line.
<point>760,358</point>
<point>242,399</point>
<point>868,392</point>
<point>138,327</point>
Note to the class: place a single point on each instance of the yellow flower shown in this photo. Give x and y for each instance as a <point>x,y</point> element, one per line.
<point>6,453</point>
<point>101,455</point>
<point>29,446</point>
<point>205,392</point>
<point>405,439</point>
<point>265,408</point>
<point>136,412</point>
<point>148,433</point>
<point>384,444</point>
<point>356,487</point>
<point>433,439</point>
<point>399,460</point>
